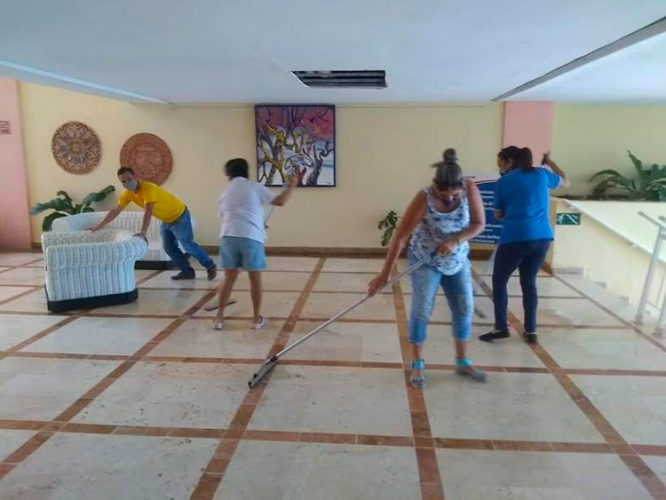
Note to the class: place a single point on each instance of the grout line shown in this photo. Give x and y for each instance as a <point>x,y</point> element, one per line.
<point>12,353</point>
<point>14,297</point>
<point>324,437</point>
<point>146,278</point>
<point>613,438</point>
<point>426,458</point>
<point>35,442</point>
<point>214,472</point>
<point>40,335</point>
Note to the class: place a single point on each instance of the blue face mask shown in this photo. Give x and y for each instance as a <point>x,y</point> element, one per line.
<point>132,185</point>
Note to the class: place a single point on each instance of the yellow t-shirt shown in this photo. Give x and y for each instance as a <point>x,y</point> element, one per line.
<point>166,208</point>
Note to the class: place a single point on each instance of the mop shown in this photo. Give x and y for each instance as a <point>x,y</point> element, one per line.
<point>214,307</point>
<point>270,363</point>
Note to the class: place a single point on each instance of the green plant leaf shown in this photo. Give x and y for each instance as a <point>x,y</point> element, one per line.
<point>48,220</point>
<point>609,172</point>
<point>66,198</point>
<point>98,196</point>
<point>55,204</point>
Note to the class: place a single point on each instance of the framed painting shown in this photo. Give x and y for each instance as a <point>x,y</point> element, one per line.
<point>295,140</point>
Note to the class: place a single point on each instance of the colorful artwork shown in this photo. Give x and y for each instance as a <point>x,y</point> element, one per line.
<point>296,140</point>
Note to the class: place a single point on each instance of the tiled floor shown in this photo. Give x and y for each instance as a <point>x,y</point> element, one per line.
<point>146,400</point>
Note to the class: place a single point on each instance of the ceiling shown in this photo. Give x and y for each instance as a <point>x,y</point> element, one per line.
<point>220,51</point>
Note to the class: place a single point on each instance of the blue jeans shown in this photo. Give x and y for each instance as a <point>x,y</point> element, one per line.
<point>459,294</point>
<point>180,231</point>
<point>527,256</point>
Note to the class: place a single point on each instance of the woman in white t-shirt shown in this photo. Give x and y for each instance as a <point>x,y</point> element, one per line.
<point>243,233</point>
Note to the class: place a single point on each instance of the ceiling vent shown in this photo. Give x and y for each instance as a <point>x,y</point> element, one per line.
<point>364,79</point>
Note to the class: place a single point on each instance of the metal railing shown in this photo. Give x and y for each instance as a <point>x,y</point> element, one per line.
<point>649,278</point>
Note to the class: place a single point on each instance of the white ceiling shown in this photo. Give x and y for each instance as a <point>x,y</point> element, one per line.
<point>206,51</point>
<point>635,74</point>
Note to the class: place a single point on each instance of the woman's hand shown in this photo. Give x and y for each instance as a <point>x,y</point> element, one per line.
<point>377,283</point>
<point>447,247</point>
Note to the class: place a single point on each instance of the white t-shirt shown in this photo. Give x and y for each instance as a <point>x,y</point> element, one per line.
<point>241,209</point>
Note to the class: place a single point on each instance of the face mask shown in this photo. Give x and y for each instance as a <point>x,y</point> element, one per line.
<point>132,185</point>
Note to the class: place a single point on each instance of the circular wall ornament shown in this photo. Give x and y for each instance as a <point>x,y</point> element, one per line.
<point>76,148</point>
<point>149,157</point>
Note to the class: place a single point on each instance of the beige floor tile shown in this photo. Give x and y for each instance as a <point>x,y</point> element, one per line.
<point>347,342</point>
<point>172,395</point>
<point>323,471</point>
<point>157,302</point>
<point>602,348</point>
<point>40,389</point>
<point>274,305</point>
<point>121,336</point>
<point>17,328</point>
<point>196,338</point>
<point>334,400</point>
<point>480,475</point>
<point>566,312</point>
<point>33,276</point>
<point>511,406</point>
<point>326,305</point>
<point>635,406</point>
<point>102,466</point>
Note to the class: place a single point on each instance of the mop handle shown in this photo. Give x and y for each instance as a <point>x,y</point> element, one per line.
<point>270,210</point>
<point>411,268</point>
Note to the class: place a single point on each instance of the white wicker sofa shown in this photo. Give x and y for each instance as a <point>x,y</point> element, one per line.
<point>85,269</point>
<point>155,258</point>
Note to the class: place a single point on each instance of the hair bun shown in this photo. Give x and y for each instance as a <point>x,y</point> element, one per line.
<point>450,156</point>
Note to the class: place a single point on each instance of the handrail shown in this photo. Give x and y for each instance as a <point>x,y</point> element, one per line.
<point>654,260</point>
<point>656,223</point>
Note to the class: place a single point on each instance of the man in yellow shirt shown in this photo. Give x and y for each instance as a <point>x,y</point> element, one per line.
<point>176,222</point>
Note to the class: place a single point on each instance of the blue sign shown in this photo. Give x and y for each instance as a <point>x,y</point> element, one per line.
<point>491,234</point>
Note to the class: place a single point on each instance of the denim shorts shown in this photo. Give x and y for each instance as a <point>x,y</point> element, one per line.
<point>242,253</point>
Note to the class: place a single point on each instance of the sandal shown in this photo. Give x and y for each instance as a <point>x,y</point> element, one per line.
<point>419,381</point>
<point>260,324</point>
<point>465,369</point>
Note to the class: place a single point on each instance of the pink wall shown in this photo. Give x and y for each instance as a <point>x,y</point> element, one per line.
<point>14,216</point>
<point>529,124</point>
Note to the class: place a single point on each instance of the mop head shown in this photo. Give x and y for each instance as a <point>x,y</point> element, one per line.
<point>264,369</point>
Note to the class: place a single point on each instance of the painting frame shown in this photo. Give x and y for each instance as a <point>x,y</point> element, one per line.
<point>296,139</point>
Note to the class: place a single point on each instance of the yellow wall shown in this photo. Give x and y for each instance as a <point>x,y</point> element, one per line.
<point>589,138</point>
<point>383,158</point>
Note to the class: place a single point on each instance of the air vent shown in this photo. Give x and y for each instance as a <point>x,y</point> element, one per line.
<point>364,79</point>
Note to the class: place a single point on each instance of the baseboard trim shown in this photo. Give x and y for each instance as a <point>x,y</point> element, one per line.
<point>373,252</point>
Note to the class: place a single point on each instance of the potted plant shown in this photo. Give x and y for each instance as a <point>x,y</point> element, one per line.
<point>64,205</point>
<point>648,185</point>
<point>388,224</point>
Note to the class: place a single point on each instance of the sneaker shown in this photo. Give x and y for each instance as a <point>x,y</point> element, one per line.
<point>212,272</point>
<point>189,275</point>
<point>218,324</point>
<point>494,335</point>
<point>530,338</point>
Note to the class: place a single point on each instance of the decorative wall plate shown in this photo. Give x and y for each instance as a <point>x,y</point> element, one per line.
<point>149,157</point>
<point>76,148</point>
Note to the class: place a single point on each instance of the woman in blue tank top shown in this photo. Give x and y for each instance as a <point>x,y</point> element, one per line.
<point>439,221</point>
<point>521,203</point>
